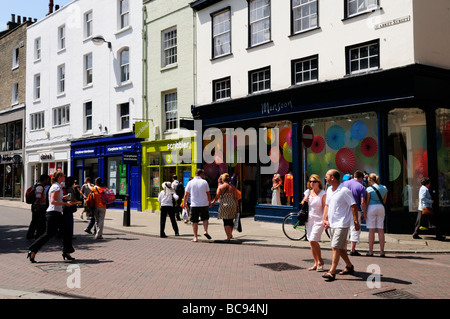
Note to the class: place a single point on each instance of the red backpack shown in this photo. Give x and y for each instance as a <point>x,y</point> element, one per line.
<point>107,196</point>
<point>30,195</point>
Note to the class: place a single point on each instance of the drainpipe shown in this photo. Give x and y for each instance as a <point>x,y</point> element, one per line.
<point>144,64</point>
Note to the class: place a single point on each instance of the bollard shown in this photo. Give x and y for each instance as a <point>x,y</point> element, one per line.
<point>126,211</point>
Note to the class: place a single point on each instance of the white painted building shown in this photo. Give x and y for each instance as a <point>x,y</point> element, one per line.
<point>81,90</point>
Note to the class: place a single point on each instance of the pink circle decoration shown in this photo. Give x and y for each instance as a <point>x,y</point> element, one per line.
<point>318,144</point>
<point>212,170</point>
<point>345,160</point>
<point>283,166</point>
<point>289,137</point>
<point>369,147</point>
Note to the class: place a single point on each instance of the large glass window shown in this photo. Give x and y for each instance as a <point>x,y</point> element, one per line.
<point>443,155</point>
<point>408,157</point>
<point>346,143</point>
<point>117,177</point>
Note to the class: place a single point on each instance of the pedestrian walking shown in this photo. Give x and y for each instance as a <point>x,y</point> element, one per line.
<point>315,196</point>
<point>376,199</point>
<point>39,207</point>
<point>100,208</point>
<point>355,184</point>
<point>198,188</point>
<point>340,209</point>
<point>54,220</point>
<point>228,204</point>
<point>425,208</point>
<point>85,191</point>
<point>168,200</point>
<point>178,188</point>
<point>74,196</point>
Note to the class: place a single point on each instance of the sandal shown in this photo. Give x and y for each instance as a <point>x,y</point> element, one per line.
<point>329,276</point>
<point>348,270</point>
<point>320,268</point>
<point>312,268</point>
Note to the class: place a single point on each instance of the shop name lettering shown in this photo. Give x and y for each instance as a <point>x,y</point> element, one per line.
<point>178,146</point>
<point>266,108</point>
<point>46,157</point>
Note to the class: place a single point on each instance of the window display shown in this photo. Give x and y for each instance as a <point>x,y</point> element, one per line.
<point>443,155</point>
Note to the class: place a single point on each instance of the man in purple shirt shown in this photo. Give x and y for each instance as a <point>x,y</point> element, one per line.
<point>359,193</point>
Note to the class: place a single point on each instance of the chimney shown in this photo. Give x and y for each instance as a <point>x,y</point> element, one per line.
<point>13,18</point>
<point>50,7</point>
<point>56,7</point>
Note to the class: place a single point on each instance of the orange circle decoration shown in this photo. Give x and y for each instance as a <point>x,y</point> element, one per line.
<point>318,144</point>
<point>345,160</point>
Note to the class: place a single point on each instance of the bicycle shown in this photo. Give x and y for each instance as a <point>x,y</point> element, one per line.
<point>292,228</point>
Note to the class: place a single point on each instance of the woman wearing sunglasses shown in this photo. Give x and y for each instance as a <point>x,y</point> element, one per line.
<point>315,196</point>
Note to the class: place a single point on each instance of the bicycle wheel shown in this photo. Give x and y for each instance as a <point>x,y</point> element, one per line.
<point>292,229</point>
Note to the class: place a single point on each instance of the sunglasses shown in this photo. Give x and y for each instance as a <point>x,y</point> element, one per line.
<point>313,181</point>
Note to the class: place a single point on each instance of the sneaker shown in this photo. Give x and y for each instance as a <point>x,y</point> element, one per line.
<point>88,231</point>
<point>417,237</point>
<point>355,253</point>
<point>81,215</point>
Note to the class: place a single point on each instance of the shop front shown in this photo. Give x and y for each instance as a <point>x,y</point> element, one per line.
<point>399,129</point>
<point>116,160</point>
<point>161,160</point>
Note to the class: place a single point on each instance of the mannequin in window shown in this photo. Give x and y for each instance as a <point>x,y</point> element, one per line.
<point>289,187</point>
<point>276,189</point>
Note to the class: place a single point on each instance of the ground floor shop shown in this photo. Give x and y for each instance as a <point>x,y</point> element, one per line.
<point>116,160</point>
<point>395,123</point>
<point>161,160</point>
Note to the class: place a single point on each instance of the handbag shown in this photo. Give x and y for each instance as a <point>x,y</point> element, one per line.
<point>303,213</point>
<point>427,211</point>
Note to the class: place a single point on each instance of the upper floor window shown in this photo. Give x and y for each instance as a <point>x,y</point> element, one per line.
<point>37,87</point>
<point>61,79</point>
<point>259,21</point>
<point>124,112</point>
<point>221,33</point>
<point>125,65</point>
<point>124,11</point>
<point>88,24</point>
<point>88,69</point>
<point>221,89</point>
<point>37,121</point>
<point>305,70</point>
<point>169,47</point>
<point>363,57</point>
<point>88,116</point>
<point>355,7</point>
<point>15,94</point>
<point>37,49</point>
<point>259,80</point>
<point>304,15</point>
<point>171,111</point>
<point>61,115</point>
<point>16,56</point>
<point>62,37</point>
<point>11,136</point>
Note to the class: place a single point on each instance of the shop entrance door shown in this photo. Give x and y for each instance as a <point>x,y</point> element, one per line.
<point>134,189</point>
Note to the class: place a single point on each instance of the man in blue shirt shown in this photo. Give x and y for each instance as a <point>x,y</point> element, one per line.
<point>359,193</point>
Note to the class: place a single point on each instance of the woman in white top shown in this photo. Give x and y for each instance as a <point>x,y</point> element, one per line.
<point>168,200</point>
<point>315,196</point>
<point>55,220</point>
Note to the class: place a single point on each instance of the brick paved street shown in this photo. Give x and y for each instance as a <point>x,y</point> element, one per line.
<point>126,265</point>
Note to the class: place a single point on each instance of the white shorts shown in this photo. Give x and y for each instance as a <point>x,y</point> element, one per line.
<point>375,216</point>
<point>353,234</point>
<point>314,228</point>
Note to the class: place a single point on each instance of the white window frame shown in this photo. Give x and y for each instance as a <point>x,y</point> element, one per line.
<point>62,37</point>
<point>37,49</point>
<point>221,33</point>
<point>169,47</point>
<point>37,121</point>
<point>307,72</point>
<point>124,65</point>
<point>222,89</point>
<point>359,49</point>
<point>88,62</point>
<point>61,115</point>
<point>124,116</point>
<point>259,21</point>
<point>170,101</point>
<point>356,7</point>
<point>16,58</point>
<point>88,24</point>
<point>298,14</point>
<point>88,117</point>
<point>61,79</point>
<point>124,13</point>
<point>37,87</point>
<point>15,94</point>
<point>261,80</point>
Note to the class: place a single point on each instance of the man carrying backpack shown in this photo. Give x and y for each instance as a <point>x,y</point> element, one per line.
<point>100,207</point>
<point>179,190</point>
<point>38,207</point>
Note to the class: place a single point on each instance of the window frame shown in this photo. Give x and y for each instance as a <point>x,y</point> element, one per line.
<point>15,93</point>
<point>251,83</point>
<point>16,58</point>
<point>293,31</point>
<point>303,60</point>
<point>61,116</point>
<point>62,37</point>
<point>88,69</point>
<point>124,67</point>
<point>124,116</point>
<point>348,52</point>
<point>227,89</point>
<point>88,24</point>
<point>166,102</point>
<point>37,49</point>
<point>122,14</point>
<point>37,121</point>
<point>169,53</point>
<point>368,9</point>
<point>61,85</point>
<point>214,16</point>
<point>37,87</point>
<point>253,23</point>
<point>88,118</point>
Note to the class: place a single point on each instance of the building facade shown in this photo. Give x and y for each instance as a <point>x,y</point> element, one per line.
<point>13,47</point>
<point>169,92</point>
<point>330,77</point>
<point>84,66</point>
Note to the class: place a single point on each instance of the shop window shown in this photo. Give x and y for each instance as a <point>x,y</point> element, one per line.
<point>18,135</point>
<point>443,156</point>
<point>408,157</point>
<point>153,177</point>
<point>117,176</point>
<point>346,143</point>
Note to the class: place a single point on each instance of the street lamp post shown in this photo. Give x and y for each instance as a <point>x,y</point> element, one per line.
<point>99,40</point>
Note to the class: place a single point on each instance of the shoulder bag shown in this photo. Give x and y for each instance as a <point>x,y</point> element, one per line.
<point>379,196</point>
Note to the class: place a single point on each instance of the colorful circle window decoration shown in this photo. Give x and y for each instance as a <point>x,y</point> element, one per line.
<point>318,144</point>
<point>350,141</point>
<point>359,130</point>
<point>328,162</point>
<point>369,147</point>
<point>395,168</point>
<point>335,137</point>
<point>345,160</point>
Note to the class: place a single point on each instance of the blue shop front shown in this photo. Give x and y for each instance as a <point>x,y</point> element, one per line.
<point>116,160</point>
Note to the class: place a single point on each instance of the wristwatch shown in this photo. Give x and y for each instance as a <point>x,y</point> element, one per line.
<point>356,222</point>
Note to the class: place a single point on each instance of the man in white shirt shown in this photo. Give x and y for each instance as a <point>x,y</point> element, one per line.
<point>198,188</point>
<point>340,211</point>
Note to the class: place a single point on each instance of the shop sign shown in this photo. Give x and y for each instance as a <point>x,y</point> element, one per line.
<point>181,145</point>
<point>45,157</point>
<point>84,152</point>
<point>120,148</point>
<point>266,108</point>
<point>131,158</point>
<point>142,129</point>
<point>392,22</point>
